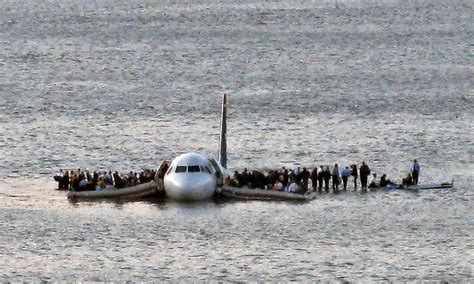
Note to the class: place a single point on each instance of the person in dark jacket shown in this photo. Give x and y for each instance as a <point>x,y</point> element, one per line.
<point>304,178</point>
<point>335,178</point>
<point>386,182</point>
<point>354,175</point>
<point>327,178</point>
<point>415,171</point>
<point>66,180</point>
<point>244,178</point>
<point>118,181</point>
<point>270,179</point>
<point>238,179</point>
<point>314,178</point>
<point>364,173</point>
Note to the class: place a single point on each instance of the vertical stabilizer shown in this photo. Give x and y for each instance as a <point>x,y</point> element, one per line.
<point>223,138</point>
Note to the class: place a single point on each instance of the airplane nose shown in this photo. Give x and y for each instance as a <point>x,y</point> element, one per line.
<point>190,187</point>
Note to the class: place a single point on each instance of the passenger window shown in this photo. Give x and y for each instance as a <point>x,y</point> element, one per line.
<point>194,169</point>
<point>180,169</point>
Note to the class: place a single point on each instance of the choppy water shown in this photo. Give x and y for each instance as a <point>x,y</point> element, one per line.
<point>124,85</point>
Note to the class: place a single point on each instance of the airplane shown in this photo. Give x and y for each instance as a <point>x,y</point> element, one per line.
<point>193,176</point>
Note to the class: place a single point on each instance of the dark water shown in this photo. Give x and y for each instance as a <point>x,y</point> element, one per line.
<point>105,85</point>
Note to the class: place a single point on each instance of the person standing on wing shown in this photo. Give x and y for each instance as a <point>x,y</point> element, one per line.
<point>345,176</point>
<point>415,172</point>
<point>335,178</point>
<point>320,178</point>
<point>355,175</point>
<point>314,178</point>
<point>364,172</point>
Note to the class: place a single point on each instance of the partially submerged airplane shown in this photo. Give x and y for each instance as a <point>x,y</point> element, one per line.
<point>189,177</point>
<point>195,176</point>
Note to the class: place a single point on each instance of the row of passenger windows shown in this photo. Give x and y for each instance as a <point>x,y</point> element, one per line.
<point>192,169</point>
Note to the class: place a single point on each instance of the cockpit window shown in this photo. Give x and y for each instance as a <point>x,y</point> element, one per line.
<point>205,169</point>
<point>180,169</point>
<point>194,169</point>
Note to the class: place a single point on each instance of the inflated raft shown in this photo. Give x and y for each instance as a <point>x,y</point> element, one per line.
<point>259,194</point>
<point>430,186</point>
<point>420,186</point>
<point>141,190</point>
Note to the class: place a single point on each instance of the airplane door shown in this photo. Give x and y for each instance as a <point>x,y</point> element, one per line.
<point>160,172</point>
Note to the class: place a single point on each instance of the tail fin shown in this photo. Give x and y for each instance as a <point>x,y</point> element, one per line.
<point>223,138</point>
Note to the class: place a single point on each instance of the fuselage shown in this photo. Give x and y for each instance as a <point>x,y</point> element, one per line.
<point>192,177</point>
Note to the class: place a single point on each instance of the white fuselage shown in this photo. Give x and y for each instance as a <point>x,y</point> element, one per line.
<point>192,177</point>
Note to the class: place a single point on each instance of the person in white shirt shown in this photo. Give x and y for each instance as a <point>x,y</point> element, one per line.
<point>320,178</point>
<point>294,187</point>
<point>374,182</point>
<point>278,186</point>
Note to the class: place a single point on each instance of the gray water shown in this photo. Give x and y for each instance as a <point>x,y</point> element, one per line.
<point>122,86</point>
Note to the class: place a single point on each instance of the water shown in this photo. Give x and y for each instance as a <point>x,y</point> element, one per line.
<point>101,85</point>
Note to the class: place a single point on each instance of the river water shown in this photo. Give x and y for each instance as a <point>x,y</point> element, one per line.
<point>122,86</point>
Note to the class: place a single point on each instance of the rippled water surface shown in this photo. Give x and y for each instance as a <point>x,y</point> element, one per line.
<point>121,86</point>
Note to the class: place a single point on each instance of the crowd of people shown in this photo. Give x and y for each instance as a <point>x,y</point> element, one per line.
<point>79,180</point>
<point>322,178</point>
<point>298,180</point>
